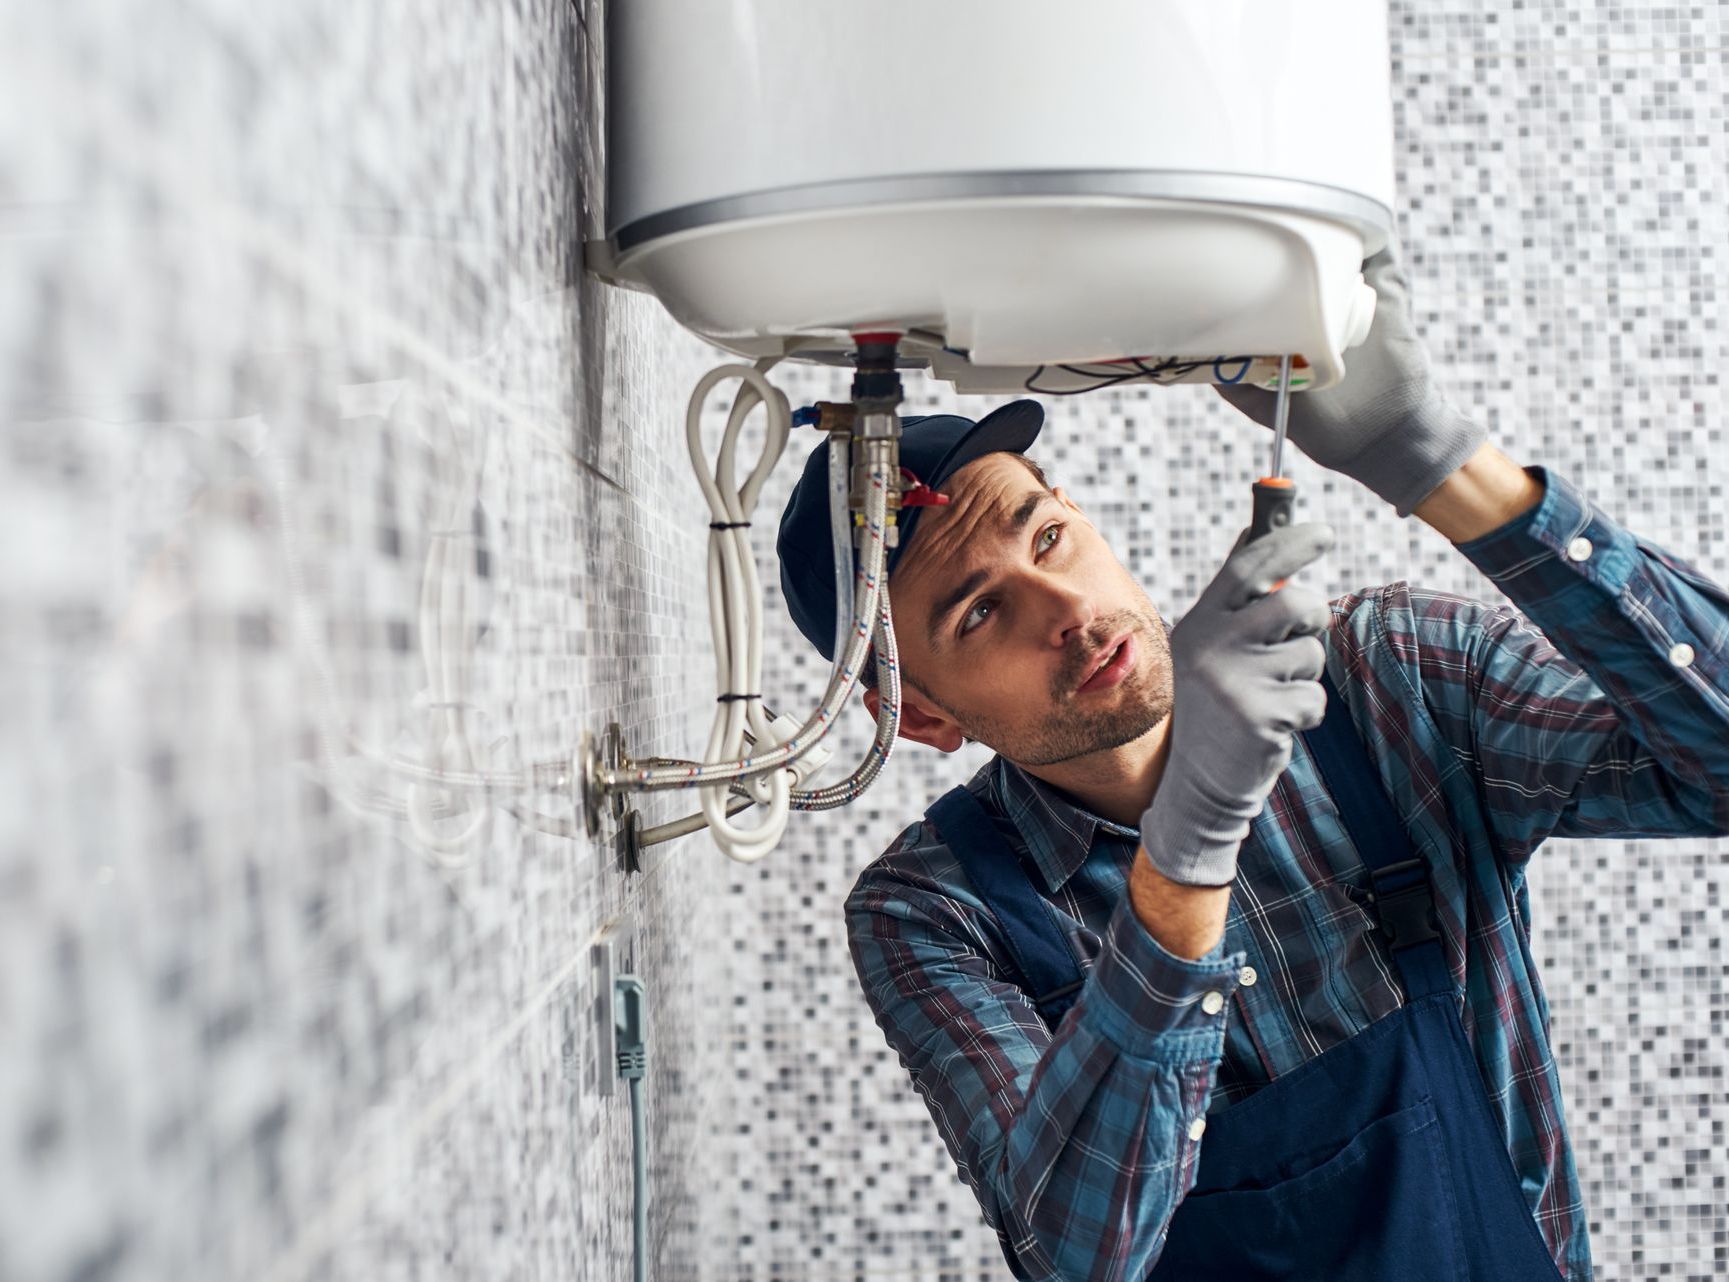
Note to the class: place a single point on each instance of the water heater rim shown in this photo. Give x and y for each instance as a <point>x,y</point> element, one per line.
<point>1368,216</point>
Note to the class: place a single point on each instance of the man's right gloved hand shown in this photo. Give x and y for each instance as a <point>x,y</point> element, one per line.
<point>1387,424</point>
<point>1246,663</point>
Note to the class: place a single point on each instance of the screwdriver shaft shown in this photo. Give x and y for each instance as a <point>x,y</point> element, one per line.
<point>1275,497</point>
<point>1281,412</point>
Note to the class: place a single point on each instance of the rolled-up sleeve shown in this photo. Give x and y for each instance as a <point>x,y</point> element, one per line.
<point>1079,1144</point>
<point>1601,706</point>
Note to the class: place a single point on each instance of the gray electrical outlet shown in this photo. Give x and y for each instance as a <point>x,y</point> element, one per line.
<point>613,954</point>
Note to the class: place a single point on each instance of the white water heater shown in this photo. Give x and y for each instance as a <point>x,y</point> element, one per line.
<point>1041,197</point>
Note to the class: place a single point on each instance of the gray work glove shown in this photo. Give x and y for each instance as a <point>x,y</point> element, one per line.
<point>1385,424</point>
<point>1246,665</point>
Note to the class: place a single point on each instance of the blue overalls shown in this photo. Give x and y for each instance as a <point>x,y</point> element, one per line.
<point>1378,1160</point>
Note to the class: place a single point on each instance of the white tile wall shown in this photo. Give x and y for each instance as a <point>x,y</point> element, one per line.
<point>289,294</point>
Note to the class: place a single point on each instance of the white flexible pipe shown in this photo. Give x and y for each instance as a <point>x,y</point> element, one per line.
<point>735,607</point>
<point>867,591</point>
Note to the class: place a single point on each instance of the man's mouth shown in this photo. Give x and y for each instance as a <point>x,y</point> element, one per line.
<point>1115,662</point>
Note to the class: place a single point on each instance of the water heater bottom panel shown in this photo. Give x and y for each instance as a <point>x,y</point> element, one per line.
<point>1019,282</point>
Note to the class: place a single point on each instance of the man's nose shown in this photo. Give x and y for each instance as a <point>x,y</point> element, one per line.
<point>1063,611</point>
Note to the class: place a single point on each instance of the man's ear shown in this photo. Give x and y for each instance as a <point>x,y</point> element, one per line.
<point>921,722</point>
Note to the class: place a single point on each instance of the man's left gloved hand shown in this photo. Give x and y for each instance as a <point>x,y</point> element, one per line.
<point>1385,424</point>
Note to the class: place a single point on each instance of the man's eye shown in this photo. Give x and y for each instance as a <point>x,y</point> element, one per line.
<point>1049,536</point>
<point>975,616</point>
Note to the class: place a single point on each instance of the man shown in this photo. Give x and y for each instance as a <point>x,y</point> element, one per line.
<point>1205,891</point>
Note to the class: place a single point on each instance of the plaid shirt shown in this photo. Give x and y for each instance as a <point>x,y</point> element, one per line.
<point>1489,735</point>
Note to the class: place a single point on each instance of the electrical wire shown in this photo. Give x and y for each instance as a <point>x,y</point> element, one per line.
<point>1169,370</point>
<point>1104,381</point>
<point>639,1179</point>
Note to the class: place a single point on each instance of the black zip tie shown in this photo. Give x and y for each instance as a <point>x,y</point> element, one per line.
<point>729,525</point>
<point>735,698</point>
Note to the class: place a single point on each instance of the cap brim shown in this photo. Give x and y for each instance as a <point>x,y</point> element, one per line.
<point>1009,429</point>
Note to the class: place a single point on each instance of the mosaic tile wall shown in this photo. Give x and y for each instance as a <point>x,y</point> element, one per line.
<point>1564,205</point>
<point>294,345</point>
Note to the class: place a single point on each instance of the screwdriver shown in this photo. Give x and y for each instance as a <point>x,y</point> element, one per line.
<point>1275,493</point>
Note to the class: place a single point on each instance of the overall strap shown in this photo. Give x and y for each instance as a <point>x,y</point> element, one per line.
<point>1047,968</point>
<point>1403,900</point>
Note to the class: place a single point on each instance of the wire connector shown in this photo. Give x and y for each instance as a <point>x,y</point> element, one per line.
<point>630,1001</point>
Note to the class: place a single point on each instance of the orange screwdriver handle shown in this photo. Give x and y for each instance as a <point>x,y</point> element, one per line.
<point>1275,505</point>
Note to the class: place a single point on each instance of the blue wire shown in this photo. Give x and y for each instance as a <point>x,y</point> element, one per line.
<point>1241,374</point>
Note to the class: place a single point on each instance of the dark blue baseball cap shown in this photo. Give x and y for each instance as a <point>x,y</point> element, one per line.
<point>933,448</point>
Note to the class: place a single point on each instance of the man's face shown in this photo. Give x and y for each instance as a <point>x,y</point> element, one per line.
<point>1015,618</point>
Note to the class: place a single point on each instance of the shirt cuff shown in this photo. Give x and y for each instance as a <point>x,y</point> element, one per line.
<point>1153,1004</point>
<point>1563,529</point>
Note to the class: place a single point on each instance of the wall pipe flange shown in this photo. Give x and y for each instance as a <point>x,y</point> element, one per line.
<point>613,759</point>
<point>586,771</point>
<point>595,759</point>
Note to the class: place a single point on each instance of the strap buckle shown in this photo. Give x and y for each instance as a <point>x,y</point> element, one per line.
<point>1405,904</point>
<point>1052,1006</point>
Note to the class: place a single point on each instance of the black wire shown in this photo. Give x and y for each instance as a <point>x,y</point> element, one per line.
<point>1103,383</point>
<point>1155,374</point>
<point>1171,365</point>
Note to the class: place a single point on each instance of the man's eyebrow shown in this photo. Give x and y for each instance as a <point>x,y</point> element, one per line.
<point>951,600</point>
<point>1024,513</point>
<point>946,604</point>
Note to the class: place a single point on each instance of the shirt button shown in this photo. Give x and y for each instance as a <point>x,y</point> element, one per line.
<point>1213,1002</point>
<point>1197,1128</point>
<point>1680,654</point>
<point>1579,549</point>
<point>1247,977</point>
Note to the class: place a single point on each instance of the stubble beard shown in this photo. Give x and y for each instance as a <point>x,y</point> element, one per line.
<point>1072,730</point>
